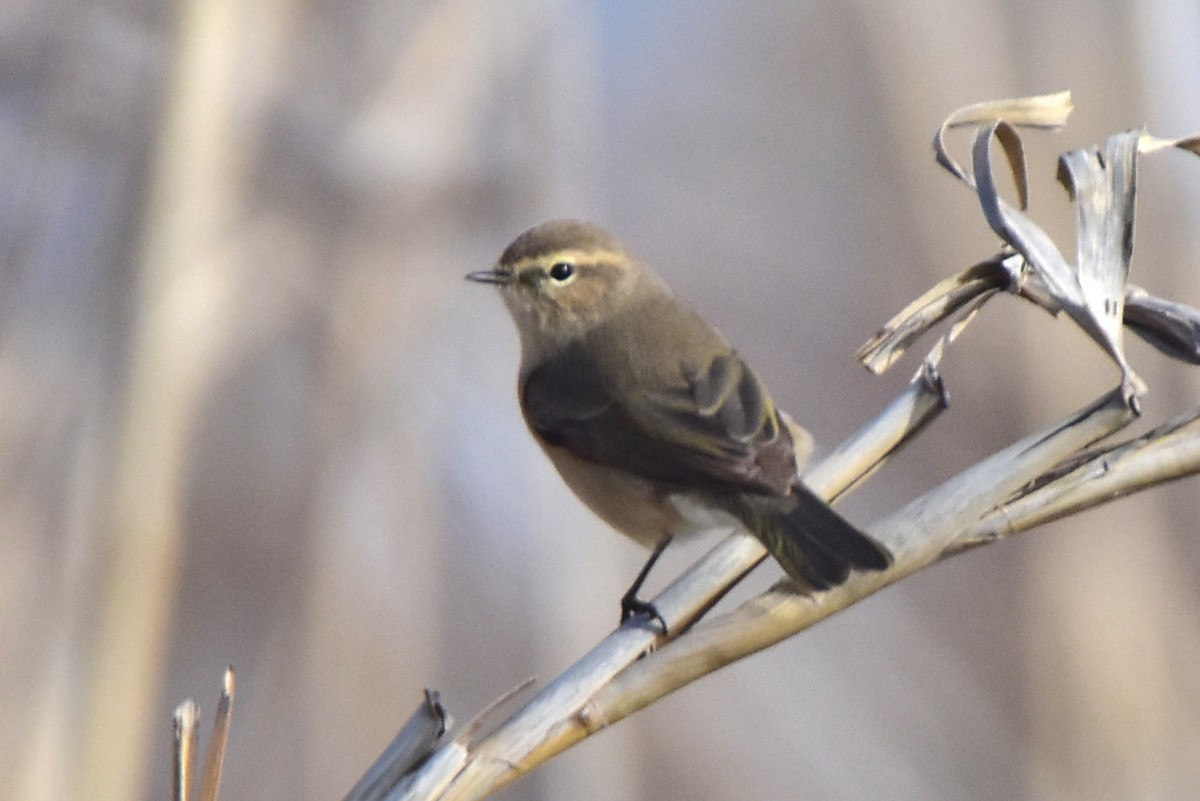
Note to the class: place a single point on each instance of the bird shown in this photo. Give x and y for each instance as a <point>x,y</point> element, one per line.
<point>652,418</point>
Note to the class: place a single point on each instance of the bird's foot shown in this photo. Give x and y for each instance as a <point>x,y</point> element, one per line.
<point>634,607</point>
<point>631,605</point>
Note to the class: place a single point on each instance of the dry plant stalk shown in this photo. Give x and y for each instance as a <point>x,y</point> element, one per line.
<point>1054,472</point>
<point>187,735</point>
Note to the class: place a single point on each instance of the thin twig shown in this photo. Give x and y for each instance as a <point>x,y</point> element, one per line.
<point>187,722</point>
<point>214,761</point>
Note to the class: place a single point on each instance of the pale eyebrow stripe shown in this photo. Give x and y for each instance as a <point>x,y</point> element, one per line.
<point>573,255</point>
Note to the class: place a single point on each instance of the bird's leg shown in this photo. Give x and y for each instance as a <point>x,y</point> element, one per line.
<point>632,605</point>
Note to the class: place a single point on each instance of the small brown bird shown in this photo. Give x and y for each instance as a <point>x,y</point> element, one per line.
<point>650,416</point>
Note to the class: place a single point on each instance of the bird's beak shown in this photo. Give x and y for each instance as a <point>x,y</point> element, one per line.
<point>493,276</point>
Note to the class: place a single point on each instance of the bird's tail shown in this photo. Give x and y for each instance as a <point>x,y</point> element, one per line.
<point>815,544</point>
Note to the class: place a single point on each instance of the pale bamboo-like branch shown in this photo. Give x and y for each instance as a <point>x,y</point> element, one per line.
<point>598,690</point>
<point>1168,453</point>
<point>545,724</point>
<point>214,759</point>
<point>870,448</point>
<point>415,740</point>
<point>917,536</point>
<point>187,726</point>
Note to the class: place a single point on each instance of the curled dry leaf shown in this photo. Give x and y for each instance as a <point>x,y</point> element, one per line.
<point>1094,291</point>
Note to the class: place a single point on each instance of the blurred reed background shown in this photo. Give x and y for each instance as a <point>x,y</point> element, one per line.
<point>250,412</point>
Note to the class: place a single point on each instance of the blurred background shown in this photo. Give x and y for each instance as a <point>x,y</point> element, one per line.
<point>250,412</point>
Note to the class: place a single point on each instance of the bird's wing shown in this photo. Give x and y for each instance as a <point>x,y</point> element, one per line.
<point>711,426</point>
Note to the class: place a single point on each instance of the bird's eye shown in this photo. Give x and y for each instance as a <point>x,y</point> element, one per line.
<point>562,270</point>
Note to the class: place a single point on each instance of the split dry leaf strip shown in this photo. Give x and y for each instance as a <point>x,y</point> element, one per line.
<point>1101,474</point>
<point>973,285</point>
<point>1102,185</point>
<point>1048,112</point>
<point>1094,291</point>
<point>1172,328</point>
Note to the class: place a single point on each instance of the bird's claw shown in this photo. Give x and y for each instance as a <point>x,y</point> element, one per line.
<point>632,607</point>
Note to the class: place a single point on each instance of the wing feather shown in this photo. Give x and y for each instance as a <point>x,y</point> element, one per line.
<point>715,426</point>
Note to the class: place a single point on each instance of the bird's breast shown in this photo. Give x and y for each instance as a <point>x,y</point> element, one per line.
<point>646,511</point>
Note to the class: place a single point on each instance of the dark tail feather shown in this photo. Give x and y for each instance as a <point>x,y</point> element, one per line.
<point>817,545</point>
